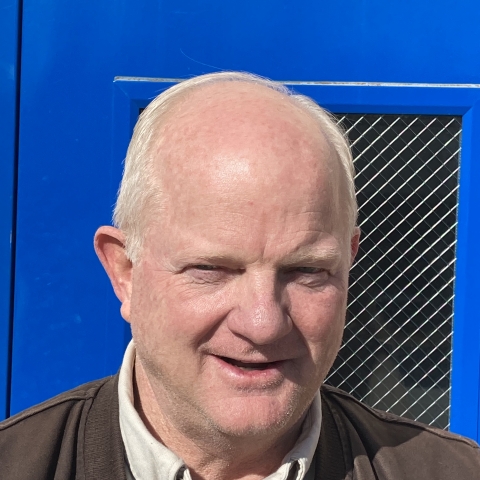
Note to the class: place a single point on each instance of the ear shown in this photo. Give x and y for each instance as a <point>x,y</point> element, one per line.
<point>110,247</point>
<point>354,244</point>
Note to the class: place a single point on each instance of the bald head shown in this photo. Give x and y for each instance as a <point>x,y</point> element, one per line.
<point>248,140</point>
<point>244,143</point>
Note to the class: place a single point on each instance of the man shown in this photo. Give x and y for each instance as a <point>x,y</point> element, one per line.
<point>236,231</point>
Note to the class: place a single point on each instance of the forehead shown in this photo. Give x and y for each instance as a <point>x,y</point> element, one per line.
<point>246,145</point>
<point>236,115</point>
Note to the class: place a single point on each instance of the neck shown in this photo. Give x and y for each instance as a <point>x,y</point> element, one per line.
<point>209,453</point>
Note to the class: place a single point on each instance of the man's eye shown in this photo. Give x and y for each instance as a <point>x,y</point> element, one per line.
<point>204,273</point>
<point>205,267</point>
<point>309,270</point>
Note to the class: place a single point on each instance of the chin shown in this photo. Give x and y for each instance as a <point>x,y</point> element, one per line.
<point>253,416</point>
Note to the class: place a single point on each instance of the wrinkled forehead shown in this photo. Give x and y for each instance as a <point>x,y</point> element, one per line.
<point>247,142</point>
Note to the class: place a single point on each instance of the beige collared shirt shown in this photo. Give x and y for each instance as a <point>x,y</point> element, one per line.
<point>148,459</point>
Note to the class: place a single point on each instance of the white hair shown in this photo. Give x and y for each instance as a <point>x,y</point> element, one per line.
<point>139,187</point>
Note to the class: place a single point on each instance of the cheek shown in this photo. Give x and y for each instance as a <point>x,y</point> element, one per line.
<point>163,306</point>
<point>320,318</point>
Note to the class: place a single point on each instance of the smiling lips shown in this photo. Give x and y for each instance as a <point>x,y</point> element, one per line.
<point>247,375</point>
<point>247,366</point>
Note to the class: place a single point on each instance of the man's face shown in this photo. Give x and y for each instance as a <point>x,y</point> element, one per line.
<point>238,302</point>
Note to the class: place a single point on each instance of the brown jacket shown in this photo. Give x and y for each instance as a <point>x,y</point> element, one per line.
<point>76,435</point>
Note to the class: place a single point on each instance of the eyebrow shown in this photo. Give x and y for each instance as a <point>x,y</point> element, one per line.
<point>215,258</point>
<point>311,257</point>
<point>324,255</point>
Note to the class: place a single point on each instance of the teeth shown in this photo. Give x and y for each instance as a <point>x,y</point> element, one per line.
<point>246,366</point>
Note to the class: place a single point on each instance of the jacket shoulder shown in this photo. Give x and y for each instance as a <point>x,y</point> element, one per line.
<point>42,442</point>
<point>81,393</point>
<point>349,402</point>
<point>398,447</point>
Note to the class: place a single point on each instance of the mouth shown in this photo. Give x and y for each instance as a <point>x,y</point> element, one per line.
<point>249,366</point>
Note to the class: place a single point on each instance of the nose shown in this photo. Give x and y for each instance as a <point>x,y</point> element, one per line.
<point>261,315</point>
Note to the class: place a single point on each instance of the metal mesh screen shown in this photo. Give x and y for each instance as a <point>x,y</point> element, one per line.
<point>397,345</point>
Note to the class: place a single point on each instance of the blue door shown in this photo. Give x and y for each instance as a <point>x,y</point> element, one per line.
<point>86,71</point>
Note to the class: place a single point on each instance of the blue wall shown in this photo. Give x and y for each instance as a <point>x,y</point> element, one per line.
<point>9,67</point>
<point>66,329</point>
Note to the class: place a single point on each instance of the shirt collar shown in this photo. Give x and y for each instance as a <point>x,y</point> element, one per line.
<point>149,459</point>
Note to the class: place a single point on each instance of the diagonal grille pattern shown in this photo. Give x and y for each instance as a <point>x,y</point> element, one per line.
<point>396,351</point>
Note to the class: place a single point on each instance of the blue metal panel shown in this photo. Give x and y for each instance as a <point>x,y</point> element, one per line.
<point>465,397</point>
<point>66,327</point>
<point>9,28</point>
<point>373,40</point>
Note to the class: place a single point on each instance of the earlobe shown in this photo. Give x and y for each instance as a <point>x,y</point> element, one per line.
<point>109,245</point>
<point>354,244</point>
